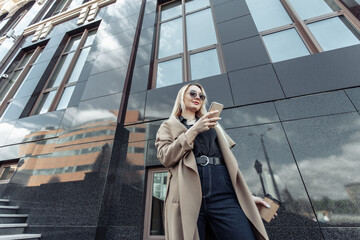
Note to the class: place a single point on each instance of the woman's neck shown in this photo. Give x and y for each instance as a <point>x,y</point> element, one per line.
<point>188,115</point>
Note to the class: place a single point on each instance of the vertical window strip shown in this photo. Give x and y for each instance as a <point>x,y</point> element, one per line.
<point>170,48</point>
<point>62,80</point>
<point>17,76</point>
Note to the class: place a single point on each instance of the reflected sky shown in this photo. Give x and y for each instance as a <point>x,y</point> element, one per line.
<point>327,150</point>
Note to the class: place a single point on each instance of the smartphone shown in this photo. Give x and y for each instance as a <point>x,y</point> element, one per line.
<point>216,106</point>
<point>268,213</point>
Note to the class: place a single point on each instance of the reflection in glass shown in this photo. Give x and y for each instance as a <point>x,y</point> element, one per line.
<point>204,64</point>
<point>327,152</point>
<point>73,43</point>
<point>267,164</point>
<point>200,29</point>
<point>268,14</point>
<point>285,45</point>
<point>90,38</point>
<point>45,102</point>
<point>65,98</point>
<point>171,38</point>
<point>26,59</point>
<point>313,8</point>
<point>192,5</point>
<point>353,6</point>
<point>79,65</point>
<point>169,73</point>
<point>60,70</point>
<point>6,84</point>
<point>171,10</point>
<point>158,198</point>
<point>334,33</point>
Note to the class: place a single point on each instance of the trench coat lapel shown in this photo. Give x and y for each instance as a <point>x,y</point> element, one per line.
<point>179,128</point>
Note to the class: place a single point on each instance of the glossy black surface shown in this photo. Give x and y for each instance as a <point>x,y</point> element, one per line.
<point>121,24</point>
<point>354,95</point>
<point>143,55</point>
<point>315,105</point>
<point>135,108</point>
<point>326,150</point>
<point>5,130</point>
<point>136,135</point>
<point>236,29</point>
<point>268,145</point>
<point>113,42</point>
<point>66,232</point>
<point>249,115</point>
<point>27,88</point>
<point>76,96</point>
<point>99,110</point>
<point>320,72</point>
<point>230,10</point>
<point>35,127</point>
<point>254,85</point>
<point>245,53</point>
<point>105,83</point>
<point>146,36</point>
<point>140,79</point>
<point>111,60</point>
<point>14,109</point>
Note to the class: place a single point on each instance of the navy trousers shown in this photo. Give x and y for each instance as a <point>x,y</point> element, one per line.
<point>220,208</point>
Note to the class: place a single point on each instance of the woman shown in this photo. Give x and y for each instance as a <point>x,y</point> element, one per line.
<point>204,190</point>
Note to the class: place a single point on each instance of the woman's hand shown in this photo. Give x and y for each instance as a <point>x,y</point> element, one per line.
<point>260,203</point>
<point>206,122</point>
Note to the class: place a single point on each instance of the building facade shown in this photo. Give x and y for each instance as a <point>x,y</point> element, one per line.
<point>85,85</point>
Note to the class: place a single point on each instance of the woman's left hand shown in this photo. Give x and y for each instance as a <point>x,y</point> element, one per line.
<point>260,203</point>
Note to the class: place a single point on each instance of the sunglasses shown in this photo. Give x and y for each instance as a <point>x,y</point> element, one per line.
<point>194,94</point>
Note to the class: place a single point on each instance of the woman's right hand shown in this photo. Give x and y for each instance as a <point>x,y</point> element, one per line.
<point>206,122</point>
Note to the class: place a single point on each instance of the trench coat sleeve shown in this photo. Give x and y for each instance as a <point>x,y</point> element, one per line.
<point>171,149</point>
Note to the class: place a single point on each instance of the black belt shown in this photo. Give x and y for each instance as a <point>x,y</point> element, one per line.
<point>205,160</point>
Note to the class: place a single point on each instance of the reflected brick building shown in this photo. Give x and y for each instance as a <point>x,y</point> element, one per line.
<point>84,86</point>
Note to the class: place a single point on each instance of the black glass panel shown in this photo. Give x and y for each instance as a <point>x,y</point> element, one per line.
<point>267,164</point>
<point>327,152</point>
<point>315,105</point>
<point>248,115</point>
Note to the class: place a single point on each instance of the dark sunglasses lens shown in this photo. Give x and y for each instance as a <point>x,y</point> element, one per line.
<point>202,97</point>
<point>193,94</point>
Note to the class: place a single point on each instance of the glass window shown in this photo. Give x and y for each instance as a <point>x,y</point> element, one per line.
<point>192,5</point>
<point>156,192</point>
<point>171,39</point>
<point>17,74</point>
<point>186,28</point>
<point>295,28</point>
<point>171,10</point>
<point>285,45</point>
<point>62,81</point>
<point>313,8</point>
<point>204,64</point>
<point>268,14</point>
<point>200,30</point>
<point>65,98</point>
<point>333,33</point>
<point>169,73</point>
<point>353,6</point>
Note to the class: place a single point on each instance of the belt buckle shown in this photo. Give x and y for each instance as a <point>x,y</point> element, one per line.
<point>207,160</point>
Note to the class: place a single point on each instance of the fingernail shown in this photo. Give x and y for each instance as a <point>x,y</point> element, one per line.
<point>267,205</point>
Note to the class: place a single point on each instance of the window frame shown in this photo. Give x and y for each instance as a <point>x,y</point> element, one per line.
<point>63,84</point>
<point>5,164</point>
<point>51,12</point>
<point>303,30</point>
<point>185,54</point>
<point>148,203</point>
<point>20,79</point>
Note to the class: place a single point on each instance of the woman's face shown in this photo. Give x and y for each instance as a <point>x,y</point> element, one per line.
<point>193,102</point>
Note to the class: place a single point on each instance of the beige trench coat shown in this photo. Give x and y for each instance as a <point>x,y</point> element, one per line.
<point>183,198</point>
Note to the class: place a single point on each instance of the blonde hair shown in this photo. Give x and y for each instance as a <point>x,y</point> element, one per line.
<point>179,105</point>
